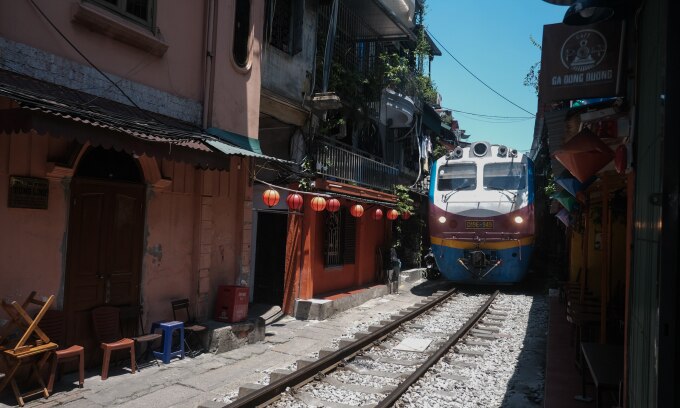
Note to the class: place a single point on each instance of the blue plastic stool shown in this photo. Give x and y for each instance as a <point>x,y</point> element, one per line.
<point>168,328</point>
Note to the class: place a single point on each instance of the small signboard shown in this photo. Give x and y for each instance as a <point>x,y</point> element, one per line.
<point>579,62</point>
<point>479,224</point>
<point>28,192</point>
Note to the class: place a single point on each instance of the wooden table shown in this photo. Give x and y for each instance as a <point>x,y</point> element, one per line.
<point>605,364</point>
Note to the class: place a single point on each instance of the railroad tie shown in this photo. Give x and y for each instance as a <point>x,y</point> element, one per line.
<point>312,401</point>
<point>246,389</point>
<point>278,374</point>
<point>375,373</point>
<point>357,387</point>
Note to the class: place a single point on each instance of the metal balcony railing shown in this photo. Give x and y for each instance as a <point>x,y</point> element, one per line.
<point>352,167</point>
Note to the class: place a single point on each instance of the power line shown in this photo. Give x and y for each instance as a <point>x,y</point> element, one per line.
<point>92,63</point>
<point>475,76</point>
<point>489,116</point>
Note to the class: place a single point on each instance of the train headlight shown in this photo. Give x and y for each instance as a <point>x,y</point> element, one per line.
<point>519,220</point>
<point>442,219</point>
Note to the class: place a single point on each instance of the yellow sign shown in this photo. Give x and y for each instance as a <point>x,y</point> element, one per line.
<point>479,224</point>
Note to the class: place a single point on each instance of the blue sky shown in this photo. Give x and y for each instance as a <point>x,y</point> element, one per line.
<point>491,38</point>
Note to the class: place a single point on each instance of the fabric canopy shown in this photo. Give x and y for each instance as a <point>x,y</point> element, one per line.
<point>567,201</point>
<point>572,185</point>
<point>584,155</point>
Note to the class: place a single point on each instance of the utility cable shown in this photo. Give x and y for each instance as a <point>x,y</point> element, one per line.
<point>91,63</point>
<point>475,76</point>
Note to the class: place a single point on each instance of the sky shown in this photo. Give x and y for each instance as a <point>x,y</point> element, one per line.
<point>492,39</point>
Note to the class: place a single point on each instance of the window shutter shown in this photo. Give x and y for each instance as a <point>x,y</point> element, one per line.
<point>298,23</point>
<point>349,233</point>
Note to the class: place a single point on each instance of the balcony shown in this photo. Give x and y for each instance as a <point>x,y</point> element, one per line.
<point>353,167</point>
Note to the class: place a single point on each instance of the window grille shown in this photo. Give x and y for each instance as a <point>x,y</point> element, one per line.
<point>333,239</point>
<point>340,238</point>
<point>284,24</point>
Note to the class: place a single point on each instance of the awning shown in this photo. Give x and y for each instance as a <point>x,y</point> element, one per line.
<point>47,108</point>
<point>387,21</point>
<point>584,155</point>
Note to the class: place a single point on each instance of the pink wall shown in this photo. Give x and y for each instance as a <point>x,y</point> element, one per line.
<point>32,241</point>
<point>179,71</point>
<point>236,102</point>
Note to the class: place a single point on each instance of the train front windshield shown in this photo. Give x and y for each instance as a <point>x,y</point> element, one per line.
<point>459,176</point>
<point>505,176</point>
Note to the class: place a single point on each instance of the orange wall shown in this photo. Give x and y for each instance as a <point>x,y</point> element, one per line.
<point>32,241</point>
<point>177,231</point>
<point>315,279</point>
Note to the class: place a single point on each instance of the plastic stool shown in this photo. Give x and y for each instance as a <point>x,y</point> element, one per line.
<point>168,328</point>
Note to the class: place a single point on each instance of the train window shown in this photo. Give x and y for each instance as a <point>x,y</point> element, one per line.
<point>505,176</point>
<point>459,176</point>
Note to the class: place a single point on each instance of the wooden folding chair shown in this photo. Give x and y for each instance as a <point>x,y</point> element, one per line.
<point>24,352</point>
<point>190,327</point>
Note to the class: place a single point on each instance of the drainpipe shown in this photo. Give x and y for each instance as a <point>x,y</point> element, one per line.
<point>330,39</point>
<point>209,73</point>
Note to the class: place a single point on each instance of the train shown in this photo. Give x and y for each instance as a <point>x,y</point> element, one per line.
<point>481,214</point>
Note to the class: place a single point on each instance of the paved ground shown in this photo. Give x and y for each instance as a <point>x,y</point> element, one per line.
<point>189,382</point>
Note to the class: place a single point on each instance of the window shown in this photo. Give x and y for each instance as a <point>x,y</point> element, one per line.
<point>460,176</point>
<point>340,238</point>
<point>140,11</point>
<point>241,44</point>
<point>284,24</point>
<point>505,176</point>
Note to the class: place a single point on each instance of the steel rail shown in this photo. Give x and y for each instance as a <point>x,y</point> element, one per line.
<point>420,371</point>
<point>271,391</point>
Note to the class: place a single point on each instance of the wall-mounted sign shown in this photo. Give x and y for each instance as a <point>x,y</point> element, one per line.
<point>28,192</point>
<point>579,62</point>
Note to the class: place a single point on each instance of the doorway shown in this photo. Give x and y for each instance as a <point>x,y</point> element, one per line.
<point>270,258</point>
<point>105,241</point>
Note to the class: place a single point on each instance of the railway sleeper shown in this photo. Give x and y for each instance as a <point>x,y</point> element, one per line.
<point>474,353</point>
<point>389,360</point>
<point>278,374</point>
<point>357,387</point>
<point>310,400</point>
<point>489,329</point>
<point>375,373</point>
<point>453,377</point>
<point>477,343</point>
<point>248,388</point>
<point>304,363</point>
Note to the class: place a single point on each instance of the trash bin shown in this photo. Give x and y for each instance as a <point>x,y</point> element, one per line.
<point>231,304</point>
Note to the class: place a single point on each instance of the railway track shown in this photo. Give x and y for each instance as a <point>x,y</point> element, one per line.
<point>380,365</point>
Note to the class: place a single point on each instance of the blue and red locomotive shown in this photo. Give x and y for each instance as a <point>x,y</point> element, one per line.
<point>481,204</point>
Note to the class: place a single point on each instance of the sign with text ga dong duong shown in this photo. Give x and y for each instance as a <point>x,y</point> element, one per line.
<point>580,62</point>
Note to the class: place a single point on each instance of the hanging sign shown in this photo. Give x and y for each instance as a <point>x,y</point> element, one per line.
<point>579,62</point>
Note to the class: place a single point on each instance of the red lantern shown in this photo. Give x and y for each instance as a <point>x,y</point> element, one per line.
<point>356,210</point>
<point>294,201</point>
<point>405,215</point>
<point>333,205</point>
<point>270,197</point>
<point>318,203</point>
<point>392,214</point>
<point>377,214</point>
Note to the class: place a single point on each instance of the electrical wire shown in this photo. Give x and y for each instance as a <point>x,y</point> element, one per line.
<point>91,63</point>
<point>489,116</point>
<point>475,76</point>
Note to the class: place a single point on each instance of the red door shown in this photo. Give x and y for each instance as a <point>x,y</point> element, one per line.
<point>104,254</point>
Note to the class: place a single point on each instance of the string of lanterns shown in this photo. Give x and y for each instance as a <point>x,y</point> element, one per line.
<point>295,201</point>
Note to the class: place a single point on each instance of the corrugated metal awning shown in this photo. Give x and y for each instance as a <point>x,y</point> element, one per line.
<point>47,108</point>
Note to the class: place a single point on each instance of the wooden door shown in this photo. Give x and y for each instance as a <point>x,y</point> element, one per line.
<point>104,255</point>
<point>270,258</point>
